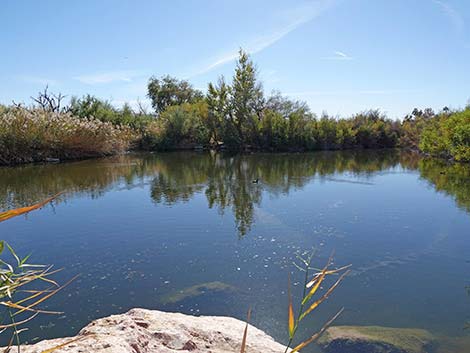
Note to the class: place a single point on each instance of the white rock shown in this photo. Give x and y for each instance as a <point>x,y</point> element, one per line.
<point>151,331</point>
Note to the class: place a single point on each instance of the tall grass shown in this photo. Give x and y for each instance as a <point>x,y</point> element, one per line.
<point>32,134</point>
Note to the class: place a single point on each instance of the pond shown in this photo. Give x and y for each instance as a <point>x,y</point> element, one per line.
<point>191,232</point>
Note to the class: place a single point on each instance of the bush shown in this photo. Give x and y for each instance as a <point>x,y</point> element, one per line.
<point>91,107</point>
<point>448,135</point>
<point>179,126</point>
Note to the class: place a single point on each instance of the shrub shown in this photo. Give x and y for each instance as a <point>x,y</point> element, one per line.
<point>179,126</point>
<point>91,107</point>
<point>448,135</point>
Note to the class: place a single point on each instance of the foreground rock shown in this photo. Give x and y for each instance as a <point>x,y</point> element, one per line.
<point>374,339</point>
<point>150,331</point>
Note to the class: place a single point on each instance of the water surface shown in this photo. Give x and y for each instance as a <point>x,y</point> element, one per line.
<point>139,229</point>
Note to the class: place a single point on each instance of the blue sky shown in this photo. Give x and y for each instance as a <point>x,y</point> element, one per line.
<point>340,56</point>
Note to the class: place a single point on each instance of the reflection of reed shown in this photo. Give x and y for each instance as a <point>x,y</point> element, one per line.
<point>21,186</point>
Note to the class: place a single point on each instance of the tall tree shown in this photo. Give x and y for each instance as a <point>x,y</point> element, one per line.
<point>247,99</point>
<point>218,101</point>
<point>167,91</point>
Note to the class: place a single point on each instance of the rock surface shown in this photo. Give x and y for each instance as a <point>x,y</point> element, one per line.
<point>151,331</point>
<point>375,339</point>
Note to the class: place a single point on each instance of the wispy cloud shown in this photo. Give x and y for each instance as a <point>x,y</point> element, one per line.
<point>298,17</point>
<point>43,81</point>
<point>109,77</point>
<point>339,55</point>
<point>454,16</point>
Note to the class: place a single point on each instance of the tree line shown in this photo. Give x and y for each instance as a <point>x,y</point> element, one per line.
<point>237,114</point>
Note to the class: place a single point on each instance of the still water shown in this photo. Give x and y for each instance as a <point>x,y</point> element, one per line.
<point>142,229</point>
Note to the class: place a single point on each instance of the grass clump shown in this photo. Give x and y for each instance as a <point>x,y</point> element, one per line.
<point>33,135</point>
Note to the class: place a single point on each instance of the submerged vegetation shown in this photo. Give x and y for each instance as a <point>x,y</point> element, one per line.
<point>196,291</point>
<point>233,114</point>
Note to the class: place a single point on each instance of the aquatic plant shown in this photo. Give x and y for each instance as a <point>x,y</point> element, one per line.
<point>197,290</point>
<point>312,284</point>
<point>22,291</point>
<point>23,286</point>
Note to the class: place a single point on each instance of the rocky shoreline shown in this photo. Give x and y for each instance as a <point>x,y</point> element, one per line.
<point>152,331</point>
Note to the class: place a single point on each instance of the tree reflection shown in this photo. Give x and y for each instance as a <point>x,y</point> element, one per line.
<point>452,179</point>
<point>225,180</point>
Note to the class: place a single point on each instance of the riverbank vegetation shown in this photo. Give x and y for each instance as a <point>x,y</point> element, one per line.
<point>234,114</point>
<point>33,134</point>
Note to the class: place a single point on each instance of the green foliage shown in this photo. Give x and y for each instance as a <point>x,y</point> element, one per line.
<point>221,121</point>
<point>167,91</point>
<point>448,135</point>
<point>239,116</point>
<point>179,125</point>
<point>413,126</point>
<point>287,124</point>
<point>247,100</point>
<point>91,107</point>
<point>236,115</point>
<point>235,111</point>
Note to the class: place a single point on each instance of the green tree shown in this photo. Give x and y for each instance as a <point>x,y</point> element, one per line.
<point>247,100</point>
<point>285,106</point>
<point>179,126</point>
<point>218,102</point>
<point>90,106</point>
<point>168,91</point>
